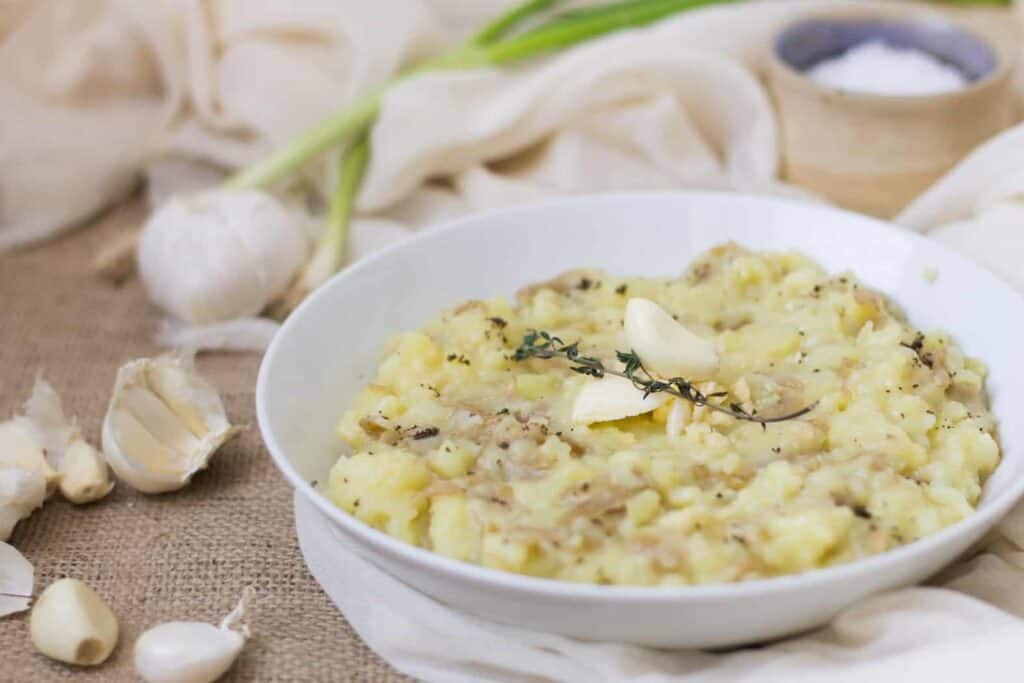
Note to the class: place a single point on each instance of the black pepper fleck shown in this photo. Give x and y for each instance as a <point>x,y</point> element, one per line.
<point>426,433</point>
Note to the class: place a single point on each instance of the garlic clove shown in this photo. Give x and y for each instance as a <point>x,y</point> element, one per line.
<point>163,424</point>
<point>612,398</point>
<point>71,623</point>
<point>190,396</point>
<point>678,417</point>
<point>665,347</point>
<point>192,651</point>
<point>21,492</point>
<point>83,474</point>
<point>186,652</point>
<point>17,578</point>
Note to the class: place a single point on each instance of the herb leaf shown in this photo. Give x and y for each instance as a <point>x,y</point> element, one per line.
<point>540,344</point>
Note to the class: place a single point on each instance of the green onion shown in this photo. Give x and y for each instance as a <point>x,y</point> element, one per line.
<point>489,47</point>
<point>493,45</point>
<point>331,248</point>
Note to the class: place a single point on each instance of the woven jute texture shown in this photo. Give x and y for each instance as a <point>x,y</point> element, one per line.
<point>179,556</point>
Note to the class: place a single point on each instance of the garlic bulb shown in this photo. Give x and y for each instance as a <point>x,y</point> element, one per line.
<point>612,398</point>
<point>25,477</point>
<point>220,254</point>
<point>83,472</point>
<point>667,348</point>
<point>191,651</point>
<point>71,623</point>
<point>17,578</point>
<point>163,424</point>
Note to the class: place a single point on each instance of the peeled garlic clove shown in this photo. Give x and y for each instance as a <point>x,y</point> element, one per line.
<point>612,398</point>
<point>186,652</point>
<point>71,623</point>
<point>16,580</point>
<point>163,424</point>
<point>242,249</point>
<point>83,474</point>
<point>665,347</point>
<point>191,651</point>
<point>678,417</point>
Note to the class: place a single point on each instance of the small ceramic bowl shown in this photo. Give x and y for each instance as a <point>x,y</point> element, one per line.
<point>329,349</point>
<point>874,153</point>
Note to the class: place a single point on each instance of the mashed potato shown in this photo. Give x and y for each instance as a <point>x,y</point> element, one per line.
<point>460,449</point>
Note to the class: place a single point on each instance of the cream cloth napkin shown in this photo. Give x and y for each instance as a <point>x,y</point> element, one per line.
<point>970,632</point>
<point>98,93</point>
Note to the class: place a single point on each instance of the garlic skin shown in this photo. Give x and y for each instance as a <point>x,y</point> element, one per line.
<point>25,477</point>
<point>17,578</point>
<point>192,651</point>
<point>163,424</point>
<point>666,348</point>
<point>220,254</point>
<point>21,492</point>
<point>83,474</point>
<point>20,447</point>
<point>71,623</point>
<point>612,398</point>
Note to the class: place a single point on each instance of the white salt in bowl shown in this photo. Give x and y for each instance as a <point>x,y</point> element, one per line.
<point>328,350</point>
<point>875,152</point>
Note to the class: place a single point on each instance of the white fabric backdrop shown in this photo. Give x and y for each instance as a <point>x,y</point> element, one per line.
<point>97,93</point>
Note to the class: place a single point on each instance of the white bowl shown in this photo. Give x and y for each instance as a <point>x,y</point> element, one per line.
<point>328,350</point>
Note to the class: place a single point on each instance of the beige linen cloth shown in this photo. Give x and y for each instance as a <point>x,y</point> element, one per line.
<point>96,93</point>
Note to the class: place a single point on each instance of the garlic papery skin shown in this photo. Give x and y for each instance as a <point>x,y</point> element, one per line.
<point>71,623</point>
<point>21,492</point>
<point>163,424</point>
<point>20,447</point>
<point>612,398</point>
<point>25,477</point>
<point>666,348</point>
<point>17,578</point>
<point>83,473</point>
<point>220,254</point>
<point>191,651</point>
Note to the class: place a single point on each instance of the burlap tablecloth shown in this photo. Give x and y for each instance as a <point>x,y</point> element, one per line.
<point>184,555</point>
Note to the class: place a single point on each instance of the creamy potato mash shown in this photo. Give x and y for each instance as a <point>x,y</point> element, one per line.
<point>460,449</point>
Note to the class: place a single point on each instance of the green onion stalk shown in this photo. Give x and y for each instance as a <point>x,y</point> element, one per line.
<point>495,44</point>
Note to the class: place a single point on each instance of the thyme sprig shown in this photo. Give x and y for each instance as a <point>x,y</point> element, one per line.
<point>540,344</point>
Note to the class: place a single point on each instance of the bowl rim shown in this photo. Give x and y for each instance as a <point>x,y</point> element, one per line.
<point>999,76</point>
<point>423,559</point>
